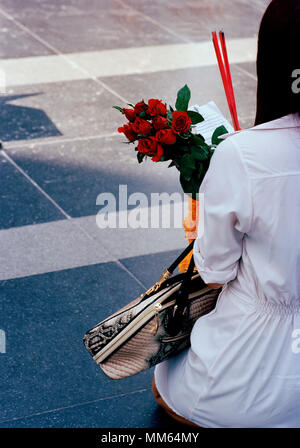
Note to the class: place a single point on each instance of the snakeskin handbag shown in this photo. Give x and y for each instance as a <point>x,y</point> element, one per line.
<point>153,327</point>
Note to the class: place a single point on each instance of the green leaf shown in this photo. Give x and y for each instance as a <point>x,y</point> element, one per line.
<point>198,153</point>
<point>169,115</point>
<point>191,186</point>
<point>130,105</point>
<point>199,140</point>
<point>185,148</point>
<point>140,156</point>
<point>195,116</point>
<point>119,108</point>
<point>200,172</point>
<point>215,137</point>
<point>185,136</point>
<point>187,166</point>
<point>183,98</point>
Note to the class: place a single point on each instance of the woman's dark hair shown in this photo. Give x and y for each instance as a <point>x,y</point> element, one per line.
<point>278,59</point>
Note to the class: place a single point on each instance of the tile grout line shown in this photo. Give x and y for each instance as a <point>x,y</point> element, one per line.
<point>243,70</point>
<point>74,405</point>
<point>49,140</point>
<point>67,216</point>
<point>78,67</point>
<point>160,25</point>
<point>115,260</point>
<point>155,22</point>
<point>170,31</point>
<point>86,72</point>
<point>105,86</point>
<point>12,162</point>
<point>66,58</point>
<point>258,6</point>
<point>72,63</point>
<point>55,50</point>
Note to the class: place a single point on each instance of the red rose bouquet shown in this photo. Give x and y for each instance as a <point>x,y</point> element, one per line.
<point>165,134</point>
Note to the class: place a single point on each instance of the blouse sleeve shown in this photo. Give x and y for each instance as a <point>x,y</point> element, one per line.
<point>227,214</point>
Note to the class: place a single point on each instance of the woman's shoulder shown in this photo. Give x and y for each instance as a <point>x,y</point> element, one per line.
<point>266,148</point>
<point>266,130</point>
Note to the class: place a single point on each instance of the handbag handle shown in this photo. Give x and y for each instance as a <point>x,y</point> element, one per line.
<point>181,306</point>
<point>167,273</point>
<point>179,259</point>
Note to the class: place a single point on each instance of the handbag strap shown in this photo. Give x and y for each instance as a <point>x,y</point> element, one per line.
<point>169,271</point>
<point>181,307</point>
<point>183,292</point>
<point>179,259</point>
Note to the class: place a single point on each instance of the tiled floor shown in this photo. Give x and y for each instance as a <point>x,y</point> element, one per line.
<point>59,274</point>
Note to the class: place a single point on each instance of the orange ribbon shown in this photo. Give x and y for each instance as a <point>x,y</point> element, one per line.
<point>190,225</point>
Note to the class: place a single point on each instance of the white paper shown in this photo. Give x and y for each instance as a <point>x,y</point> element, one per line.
<point>213,118</point>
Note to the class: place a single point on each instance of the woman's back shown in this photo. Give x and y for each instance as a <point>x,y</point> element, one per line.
<point>242,369</point>
<point>271,153</point>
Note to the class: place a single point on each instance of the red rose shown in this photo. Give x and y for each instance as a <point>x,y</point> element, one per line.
<point>156,107</point>
<point>166,136</point>
<point>151,147</point>
<point>128,131</point>
<point>141,126</point>
<point>159,123</point>
<point>140,107</point>
<point>129,114</point>
<point>147,145</point>
<point>159,153</point>
<point>181,121</point>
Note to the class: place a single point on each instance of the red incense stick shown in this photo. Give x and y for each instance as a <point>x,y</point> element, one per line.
<point>230,85</point>
<point>226,76</point>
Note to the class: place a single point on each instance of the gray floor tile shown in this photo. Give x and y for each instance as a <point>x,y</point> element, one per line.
<point>47,247</point>
<point>20,119</point>
<point>197,19</point>
<point>115,412</point>
<point>21,203</point>
<point>69,109</point>
<point>74,26</point>
<point>46,366</point>
<point>75,173</point>
<point>17,43</point>
<point>148,268</point>
<point>31,112</point>
<point>205,84</point>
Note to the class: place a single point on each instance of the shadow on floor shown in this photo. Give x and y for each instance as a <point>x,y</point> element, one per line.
<point>24,123</point>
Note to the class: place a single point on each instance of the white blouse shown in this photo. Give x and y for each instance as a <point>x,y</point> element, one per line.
<point>243,366</point>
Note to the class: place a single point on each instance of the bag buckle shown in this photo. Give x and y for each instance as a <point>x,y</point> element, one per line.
<point>164,276</point>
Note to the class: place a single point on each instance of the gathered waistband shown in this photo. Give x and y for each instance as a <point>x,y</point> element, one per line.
<point>278,308</point>
<point>263,305</point>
